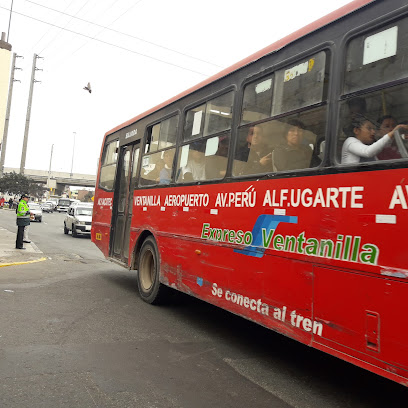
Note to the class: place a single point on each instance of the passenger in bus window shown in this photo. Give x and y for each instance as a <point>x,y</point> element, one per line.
<point>254,156</point>
<point>165,172</point>
<point>356,106</point>
<point>293,154</point>
<point>195,168</point>
<point>362,146</point>
<point>386,124</point>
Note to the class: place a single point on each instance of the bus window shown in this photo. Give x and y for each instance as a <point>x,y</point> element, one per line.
<point>300,85</point>
<point>376,113</point>
<point>203,159</point>
<point>213,117</point>
<point>193,124</point>
<point>218,115</point>
<point>157,168</point>
<point>108,166</point>
<point>377,57</point>
<point>291,143</point>
<point>162,135</point>
<point>257,103</point>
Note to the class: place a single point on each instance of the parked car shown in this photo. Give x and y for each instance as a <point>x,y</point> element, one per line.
<point>48,206</point>
<point>78,219</point>
<point>35,212</point>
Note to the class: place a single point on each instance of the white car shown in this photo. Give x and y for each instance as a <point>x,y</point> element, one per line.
<point>78,220</point>
<point>35,212</point>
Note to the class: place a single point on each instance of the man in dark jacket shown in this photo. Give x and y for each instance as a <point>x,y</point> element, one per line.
<point>23,219</point>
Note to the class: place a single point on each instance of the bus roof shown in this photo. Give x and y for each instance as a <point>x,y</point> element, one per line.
<point>321,22</point>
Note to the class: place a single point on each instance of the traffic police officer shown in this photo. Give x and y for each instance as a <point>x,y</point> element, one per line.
<point>23,219</point>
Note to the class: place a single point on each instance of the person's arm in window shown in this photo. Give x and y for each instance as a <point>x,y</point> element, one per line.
<point>362,150</point>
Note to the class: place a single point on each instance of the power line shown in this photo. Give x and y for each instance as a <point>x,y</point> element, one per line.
<point>125,34</point>
<point>107,43</point>
<point>49,29</point>
<point>56,35</point>
<point>103,29</point>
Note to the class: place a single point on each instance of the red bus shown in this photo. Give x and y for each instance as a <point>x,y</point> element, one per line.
<point>278,189</point>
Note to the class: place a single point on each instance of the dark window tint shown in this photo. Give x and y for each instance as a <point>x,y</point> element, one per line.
<point>301,84</point>
<point>377,57</point>
<point>257,103</point>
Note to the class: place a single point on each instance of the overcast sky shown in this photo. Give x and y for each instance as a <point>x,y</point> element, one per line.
<point>135,53</point>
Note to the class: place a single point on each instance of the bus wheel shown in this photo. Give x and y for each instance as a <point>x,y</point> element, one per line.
<point>148,276</point>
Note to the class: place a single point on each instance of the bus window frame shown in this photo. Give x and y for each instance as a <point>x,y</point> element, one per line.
<point>330,59</point>
<point>109,139</point>
<point>366,28</point>
<point>230,88</point>
<point>143,144</point>
<point>150,126</point>
<point>376,24</point>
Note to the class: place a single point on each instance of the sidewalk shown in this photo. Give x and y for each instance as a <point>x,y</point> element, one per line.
<point>9,255</point>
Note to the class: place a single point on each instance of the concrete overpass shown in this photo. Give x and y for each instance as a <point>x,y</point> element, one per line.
<point>59,179</point>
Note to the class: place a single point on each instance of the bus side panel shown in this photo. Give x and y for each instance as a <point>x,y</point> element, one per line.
<point>363,317</point>
<point>272,291</point>
<point>101,220</point>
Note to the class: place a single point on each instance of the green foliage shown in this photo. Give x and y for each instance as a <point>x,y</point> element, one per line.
<point>17,184</point>
<point>89,196</point>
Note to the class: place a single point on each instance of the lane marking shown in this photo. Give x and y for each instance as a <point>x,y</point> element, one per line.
<point>23,263</point>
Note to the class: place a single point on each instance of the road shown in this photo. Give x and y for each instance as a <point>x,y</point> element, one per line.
<point>75,333</point>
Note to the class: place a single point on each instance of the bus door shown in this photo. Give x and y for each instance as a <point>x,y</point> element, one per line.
<point>123,202</point>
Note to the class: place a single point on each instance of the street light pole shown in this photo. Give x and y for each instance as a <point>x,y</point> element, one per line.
<point>73,150</point>
<point>49,172</point>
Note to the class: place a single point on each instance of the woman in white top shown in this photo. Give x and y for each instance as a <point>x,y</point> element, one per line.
<point>361,147</point>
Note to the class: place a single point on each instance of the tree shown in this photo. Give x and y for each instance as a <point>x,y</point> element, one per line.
<point>89,196</point>
<point>17,184</point>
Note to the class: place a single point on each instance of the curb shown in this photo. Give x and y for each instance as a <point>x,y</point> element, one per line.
<point>23,263</point>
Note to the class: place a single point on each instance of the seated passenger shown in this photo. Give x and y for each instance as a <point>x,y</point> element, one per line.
<point>386,124</point>
<point>254,155</point>
<point>293,154</point>
<point>165,172</point>
<point>361,147</point>
<point>195,167</point>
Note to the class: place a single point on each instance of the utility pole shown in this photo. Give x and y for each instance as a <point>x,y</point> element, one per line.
<point>49,172</point>
<point>27,125</point>
<point>6,123</point>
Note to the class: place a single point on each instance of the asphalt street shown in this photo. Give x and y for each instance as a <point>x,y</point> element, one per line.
<point>75,333</point>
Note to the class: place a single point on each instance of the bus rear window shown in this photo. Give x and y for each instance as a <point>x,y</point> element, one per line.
<point>299,85</point>
<point>377,57</point>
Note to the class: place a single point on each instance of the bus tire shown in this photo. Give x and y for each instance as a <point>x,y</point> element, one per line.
<point>148,273</point>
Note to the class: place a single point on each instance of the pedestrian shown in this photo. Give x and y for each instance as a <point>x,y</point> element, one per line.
<point>10,203</point>
<point>23,219</point>
<point>2,200</point>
